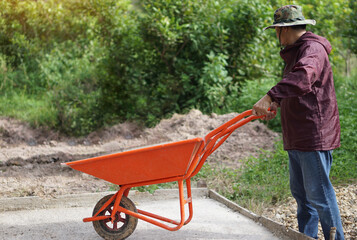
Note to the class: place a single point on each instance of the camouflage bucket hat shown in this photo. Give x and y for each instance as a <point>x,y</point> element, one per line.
<point>289,15</point>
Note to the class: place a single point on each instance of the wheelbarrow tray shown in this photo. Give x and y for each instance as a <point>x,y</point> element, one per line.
<point>144,164</point>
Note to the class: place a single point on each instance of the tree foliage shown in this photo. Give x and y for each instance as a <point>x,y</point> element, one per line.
<point>351,30</point>
<point>96,62</point>
<point>183,54</point>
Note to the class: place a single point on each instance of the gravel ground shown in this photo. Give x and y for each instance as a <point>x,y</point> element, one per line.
<point>347,201</point>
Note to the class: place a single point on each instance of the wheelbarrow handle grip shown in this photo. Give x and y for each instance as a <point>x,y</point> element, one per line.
<point>251,113</point>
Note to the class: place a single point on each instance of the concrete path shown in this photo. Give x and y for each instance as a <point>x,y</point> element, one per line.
<point>211,220</point>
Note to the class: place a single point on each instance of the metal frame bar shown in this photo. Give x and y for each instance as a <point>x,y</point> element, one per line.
<point>147,216</point>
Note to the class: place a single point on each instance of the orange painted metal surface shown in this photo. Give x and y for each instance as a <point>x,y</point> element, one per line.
<point>144,164</point>
<point>177,161</point>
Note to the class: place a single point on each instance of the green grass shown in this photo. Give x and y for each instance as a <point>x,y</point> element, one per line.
<point>36,110</point>
<point>344,168</point>
<point>259,182</point>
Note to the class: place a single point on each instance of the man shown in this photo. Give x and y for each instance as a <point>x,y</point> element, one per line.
<point>309,119</point>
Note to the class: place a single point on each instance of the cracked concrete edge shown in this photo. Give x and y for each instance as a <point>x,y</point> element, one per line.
<point>278,229</point>
<point>87,199</point>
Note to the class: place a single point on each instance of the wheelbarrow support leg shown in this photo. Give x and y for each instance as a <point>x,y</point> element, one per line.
<point>150,217</point>
<point>189,201</point>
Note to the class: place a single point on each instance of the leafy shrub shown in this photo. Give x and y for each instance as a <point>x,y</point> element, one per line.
<point>104,61</point>
<point>71,76</point>
<point>213,83</point>
<point>351,32</point>
<point>182,54</point>
<point>55,50</point>
<point>344,166</point>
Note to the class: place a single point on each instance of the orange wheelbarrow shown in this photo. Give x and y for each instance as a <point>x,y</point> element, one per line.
<point>115,216</point>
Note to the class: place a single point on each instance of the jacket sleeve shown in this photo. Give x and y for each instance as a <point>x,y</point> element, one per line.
<point>306,71</point>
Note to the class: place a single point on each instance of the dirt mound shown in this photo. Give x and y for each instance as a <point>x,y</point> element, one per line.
<point>19,140</point>
<point>14,132</point>
<point>244,142</point>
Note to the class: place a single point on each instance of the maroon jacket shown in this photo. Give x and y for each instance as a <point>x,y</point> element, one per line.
<point>306,94</point>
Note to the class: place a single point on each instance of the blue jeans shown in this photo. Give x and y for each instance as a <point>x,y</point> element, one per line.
<point>311,187</point>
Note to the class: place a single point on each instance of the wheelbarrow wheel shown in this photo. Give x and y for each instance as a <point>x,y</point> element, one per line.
<point>123,225</point>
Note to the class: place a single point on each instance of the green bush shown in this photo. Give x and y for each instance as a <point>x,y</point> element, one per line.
<point>344,166</point>
<point>104,61</point>
<point>54,51</point>
<point>351,32</point>
<point>180,55</point>
<point>71,75</point>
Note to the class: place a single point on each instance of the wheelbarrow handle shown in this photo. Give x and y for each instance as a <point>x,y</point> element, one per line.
<point>234,123</point>
<point>231,125</point>
<point>227,124</point>
<point>218,136</point>
<point>215,138</point>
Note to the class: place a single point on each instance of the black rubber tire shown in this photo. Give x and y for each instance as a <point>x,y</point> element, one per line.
<point>112,231</point>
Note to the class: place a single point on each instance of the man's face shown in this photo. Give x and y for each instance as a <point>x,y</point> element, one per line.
<point>281,35</point>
